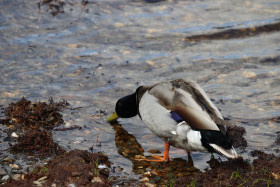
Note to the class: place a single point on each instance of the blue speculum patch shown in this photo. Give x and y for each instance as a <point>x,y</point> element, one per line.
<point>176,117</point>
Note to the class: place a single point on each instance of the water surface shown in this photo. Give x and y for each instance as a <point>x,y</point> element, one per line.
<point>92,54</point>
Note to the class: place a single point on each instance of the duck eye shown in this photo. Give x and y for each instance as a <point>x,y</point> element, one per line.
<point>119,105</point>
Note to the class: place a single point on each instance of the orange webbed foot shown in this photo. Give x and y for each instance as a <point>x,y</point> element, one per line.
<point>165,157</point>
<point>159,159</point>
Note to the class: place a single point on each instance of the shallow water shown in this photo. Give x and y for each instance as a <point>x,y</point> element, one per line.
<point>92,54</point>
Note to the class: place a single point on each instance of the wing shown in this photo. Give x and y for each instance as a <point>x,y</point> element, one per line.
<point>191,102</point>
<point>198,95</point>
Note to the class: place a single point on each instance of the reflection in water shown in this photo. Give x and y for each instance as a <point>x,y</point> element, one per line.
<point>126,143</point>
<point>155,172</point>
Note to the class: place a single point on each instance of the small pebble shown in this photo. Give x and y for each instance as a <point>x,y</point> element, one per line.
<point>30,163</point>
<point>97,179</point>
<point>5,178</point>
<point>37,183</point>
<point>11,127</point>
<point>145,179</point>
<point>76,174</point>
<point>16,176</point>
<point>180,174</point>
<point>276,176</point>
<point>157,178</point>
<point>132,139</point>
<point>42,178</point>
<point>147,174</point>
<point>139,157</point>
<point>3,172</point>
<point>153,172</point>
<point>102,166</point>
<point>14,135</point>
<point>120,169</point>
<point>153,151</point>
<point>125,154</point>
<point>9,160</point>
<point>14,166</point>
<point>150,184</point>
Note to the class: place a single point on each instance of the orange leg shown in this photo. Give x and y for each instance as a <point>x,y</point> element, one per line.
<point>165,157</point>
<point>189,157</point>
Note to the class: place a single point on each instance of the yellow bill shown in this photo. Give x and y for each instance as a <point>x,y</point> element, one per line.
<point>112,117</point>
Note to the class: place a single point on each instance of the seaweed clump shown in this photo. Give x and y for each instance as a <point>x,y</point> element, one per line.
<point>39,142</point>
<point>75,168</point>
<point>33,122</point>
<point>34,115</point>
<point>264,171</point>
<point>236,136</point>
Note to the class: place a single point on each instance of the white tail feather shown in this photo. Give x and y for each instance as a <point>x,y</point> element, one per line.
<point>228,153</point>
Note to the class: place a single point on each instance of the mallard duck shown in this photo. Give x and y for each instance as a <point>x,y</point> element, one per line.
<point>181,114</point>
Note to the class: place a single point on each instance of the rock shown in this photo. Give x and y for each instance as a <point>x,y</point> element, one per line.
<point>157,178</point>
<point>276,176</point>
<point>14,166</point>
<point>150,184</point>
<point>8,160</point>
<point>145,179</point>
<point>5,178</point>
<point>42,178</point>
<point>139,157</point>
<point>180,174</point>
<point>16,176</point>
<point>97,179</point>
<point>102,166</point>
<point>76,174</point>
<point>37,183</point>
<point>3,172</point>
<point>153,151</point>
<point>12,127</point>
<point>250,75</point>
<point>147,174</point>
<point>14,135</point>
<point>153,172</point>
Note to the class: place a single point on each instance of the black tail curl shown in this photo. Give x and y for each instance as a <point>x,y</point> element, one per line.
<point>215,137</point>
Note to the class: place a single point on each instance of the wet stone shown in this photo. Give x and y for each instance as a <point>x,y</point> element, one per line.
<point>145,179</point>
<point>149,184</point>
<point>76,174</point>
<point>157,178</point>
<point>30,163</point>
<point>97,179</point>
<point>153,151</point>
<point>14,166</point>
<point>7,160</point>
<point>3,172</point>
<point>180,174</point>
<point>5,178</point>
<point>16,176</point>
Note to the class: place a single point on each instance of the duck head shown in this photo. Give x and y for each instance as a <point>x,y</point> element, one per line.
<point>126,107</point>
